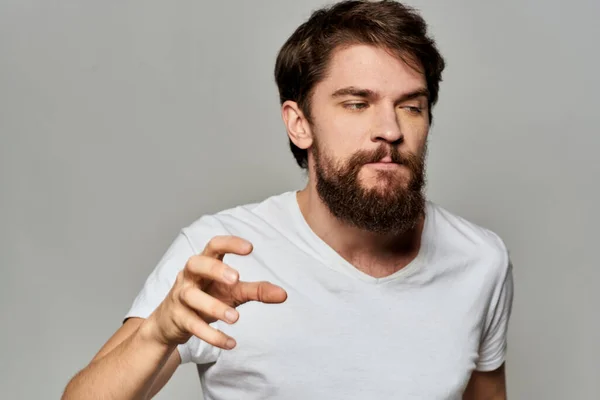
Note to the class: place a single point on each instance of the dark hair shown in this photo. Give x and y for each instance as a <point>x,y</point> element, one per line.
<point>303,59</point>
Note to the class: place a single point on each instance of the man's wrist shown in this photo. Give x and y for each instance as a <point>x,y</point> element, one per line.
<point>149,334</point>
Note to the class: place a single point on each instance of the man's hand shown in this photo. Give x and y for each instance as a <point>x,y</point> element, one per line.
<point>207,290</point>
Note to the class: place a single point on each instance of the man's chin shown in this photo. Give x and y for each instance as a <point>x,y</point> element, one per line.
<point>374,176</point>
<point>384,187</point>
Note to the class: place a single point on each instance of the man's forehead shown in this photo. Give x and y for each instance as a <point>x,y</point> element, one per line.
<point>371,68</point>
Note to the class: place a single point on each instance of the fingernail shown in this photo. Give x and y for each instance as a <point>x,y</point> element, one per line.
<point>230,344</point>
<point>230,275</point>
<point>230,315</point>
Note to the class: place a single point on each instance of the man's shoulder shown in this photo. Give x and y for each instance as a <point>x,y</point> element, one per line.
<point>459,232</point>
<point>452,221</point>
<point>231,220</point>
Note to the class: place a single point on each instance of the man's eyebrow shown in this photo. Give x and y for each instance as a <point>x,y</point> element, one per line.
<point>354,91</point>
<point>421,92</point>
<point>370,94</point>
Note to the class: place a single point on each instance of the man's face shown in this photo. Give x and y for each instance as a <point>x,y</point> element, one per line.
<point>369,125</point>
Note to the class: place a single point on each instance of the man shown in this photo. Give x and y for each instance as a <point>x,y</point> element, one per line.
<point>355,287</point>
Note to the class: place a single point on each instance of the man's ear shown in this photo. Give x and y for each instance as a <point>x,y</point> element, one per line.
<point>297,125</point>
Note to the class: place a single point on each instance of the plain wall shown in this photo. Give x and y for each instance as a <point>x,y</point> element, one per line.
<point>123,121</point>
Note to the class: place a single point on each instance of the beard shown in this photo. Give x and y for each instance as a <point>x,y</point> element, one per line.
<point>392,205</point>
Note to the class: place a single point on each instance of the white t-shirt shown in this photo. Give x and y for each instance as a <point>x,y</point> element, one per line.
<point>342,334</point>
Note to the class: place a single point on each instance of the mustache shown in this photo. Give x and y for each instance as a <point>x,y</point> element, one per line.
<point>367,157</point>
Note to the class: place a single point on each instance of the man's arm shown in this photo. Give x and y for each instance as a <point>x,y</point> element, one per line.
<point>487,385</point>
<point>131,365</point>
<point>141,356</point>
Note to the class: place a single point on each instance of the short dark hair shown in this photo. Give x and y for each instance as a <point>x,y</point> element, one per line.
<point>303,59</point>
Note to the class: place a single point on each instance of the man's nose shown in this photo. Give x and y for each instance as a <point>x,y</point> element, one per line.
<point>387,127</point>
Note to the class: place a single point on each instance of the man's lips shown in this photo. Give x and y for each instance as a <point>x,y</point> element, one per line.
<point>385,164</point>
<point>386,161</point>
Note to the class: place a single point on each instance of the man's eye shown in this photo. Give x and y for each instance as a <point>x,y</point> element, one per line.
<point>355,106</point>
<point>413,109</point>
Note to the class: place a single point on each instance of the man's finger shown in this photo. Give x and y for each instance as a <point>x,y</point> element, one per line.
<point>264,292</point>
<point>199,328</point>
<point>210,308</point>
<point>218,246</point>
<point>202,267</point>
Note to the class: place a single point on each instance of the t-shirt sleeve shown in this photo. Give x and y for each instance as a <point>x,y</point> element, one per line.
<point>493,347</point>
<point>157,286</point>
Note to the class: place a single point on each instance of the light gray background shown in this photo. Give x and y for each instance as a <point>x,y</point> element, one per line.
<point>121,122</point>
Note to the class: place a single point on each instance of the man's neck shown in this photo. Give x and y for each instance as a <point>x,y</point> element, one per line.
<point>375,254</point>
